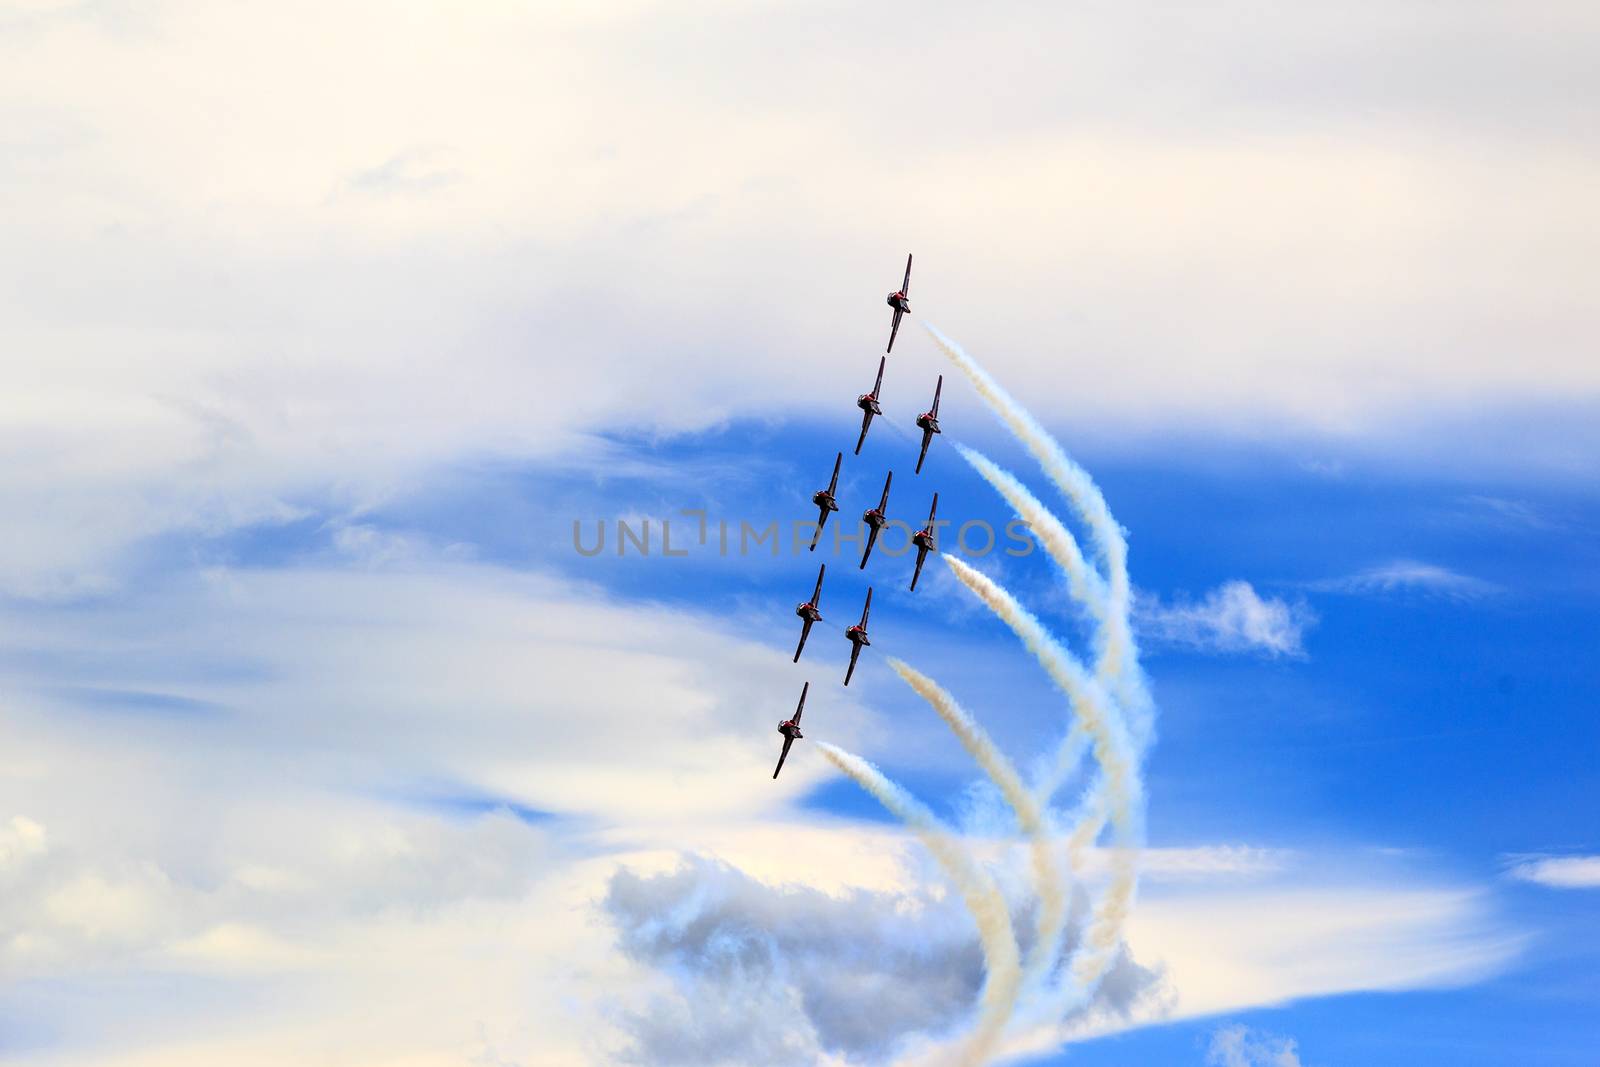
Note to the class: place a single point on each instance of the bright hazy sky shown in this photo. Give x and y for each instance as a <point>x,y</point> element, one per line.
<point>321,323</point>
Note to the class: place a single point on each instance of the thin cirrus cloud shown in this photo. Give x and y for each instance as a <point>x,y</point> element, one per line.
<point>1409,576</point>
<point>1230,618</point>
<point>1559,872</point>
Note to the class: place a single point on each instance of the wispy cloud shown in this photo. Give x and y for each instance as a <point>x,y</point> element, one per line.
<point>1409,576</point>
<point>1559,872</point>
<point>410,172</point>
<point>1239,1046</point>
<point>1501,511</point>
<point>1231,618</point>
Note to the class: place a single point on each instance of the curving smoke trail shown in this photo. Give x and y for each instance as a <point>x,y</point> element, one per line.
<point>978,891</point>
<point>1091,705</point>
<point>1117,759</point>
<point>1116,667</point>
<point>1087,587</point>
<point>1111,715</point>
<point>1078,487</point>
<point>1051,920</point>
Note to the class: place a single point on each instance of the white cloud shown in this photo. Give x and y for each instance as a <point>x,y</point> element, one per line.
<point>1239,1046</point>
<point>1560,872</point>
<point>216,326</point>
<point>291,838</point>
<point>232,298</point>
<point>1232,618</point>
<point>1408,575</point>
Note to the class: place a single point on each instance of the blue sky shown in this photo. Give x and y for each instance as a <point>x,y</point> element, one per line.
<point>1419,685</point>
<point>322,743</point>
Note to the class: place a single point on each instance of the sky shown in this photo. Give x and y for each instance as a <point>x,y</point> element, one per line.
<point>331,333</point>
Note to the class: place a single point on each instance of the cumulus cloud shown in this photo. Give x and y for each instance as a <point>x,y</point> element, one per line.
<point>859,974</point>
<point>1409,576</point>
<point>1239,1046</point>
<point>1559,872</point>
<point>1231,618</point>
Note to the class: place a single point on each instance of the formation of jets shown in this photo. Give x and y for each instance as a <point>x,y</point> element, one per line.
<point>875,518</point>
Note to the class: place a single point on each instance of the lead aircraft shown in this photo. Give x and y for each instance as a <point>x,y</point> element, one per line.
<point>902,306</point>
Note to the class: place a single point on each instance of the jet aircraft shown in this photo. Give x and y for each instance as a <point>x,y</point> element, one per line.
<point>928,422</point>
<point>900,303</point>
<point>808,612</point>
<point>823,499</point>
<point>790,729</point>
<point>857,635</point>
<point>875,518</point>
<point>868,403</point>
<point>923,539</point>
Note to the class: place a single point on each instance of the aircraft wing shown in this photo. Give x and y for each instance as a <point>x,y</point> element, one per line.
<point>884,503</point>
<point>872,539</point>
<point>933,509</point>
<point>805,631</point>
<point>905,286</point>
<point>855,650</point>
<point>938,387</point>
<point>816,594</point>
<point>866,609</point>
<point>894,328</point>
<point>878,383</point>
<point>800,708</point>
<point>787,741</point>
<point>866,421</point>
<point>922,554</point>
<point>927,436</point>
<point>833,483</point>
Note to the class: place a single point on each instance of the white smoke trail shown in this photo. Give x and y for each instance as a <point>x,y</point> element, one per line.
<point>1116,756</point>
<point>1050,922</point>
<point>1079,489</point>
<point>978,891</point>
<point>1087,587</point>
<point>1091,705</point>
<point>1117,666</point>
